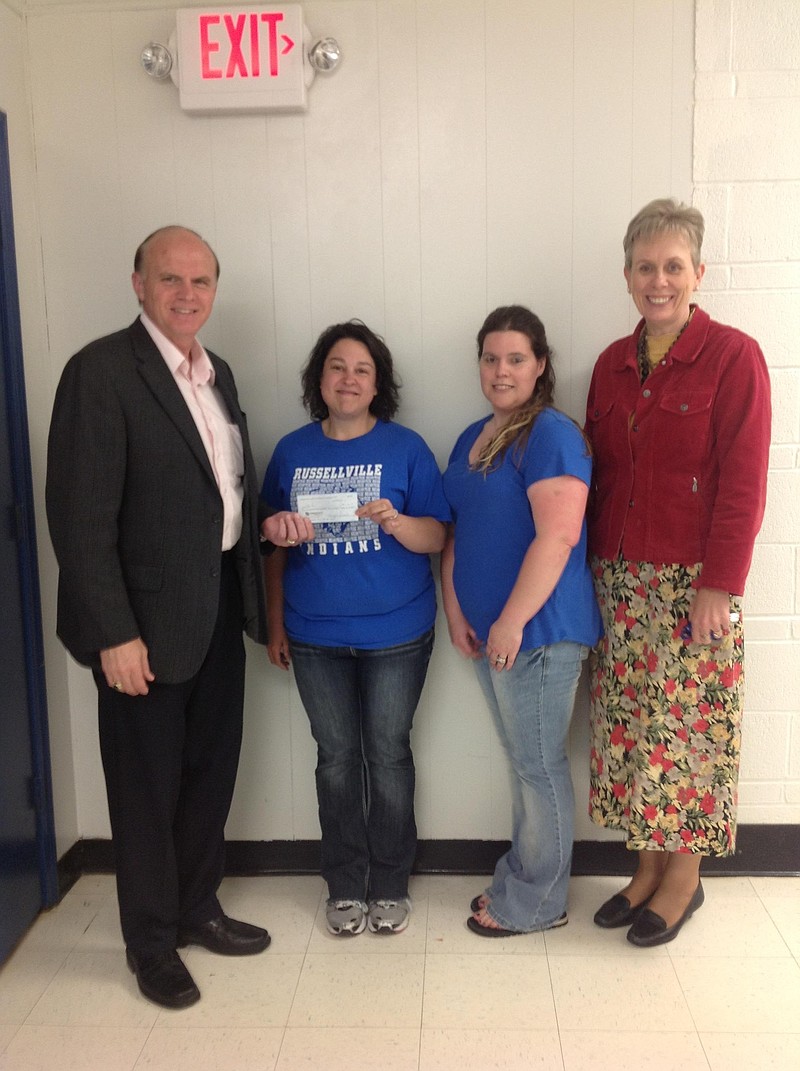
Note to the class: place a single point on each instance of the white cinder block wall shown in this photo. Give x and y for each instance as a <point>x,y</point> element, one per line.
<point>746,176</point>
<point>467,153</point>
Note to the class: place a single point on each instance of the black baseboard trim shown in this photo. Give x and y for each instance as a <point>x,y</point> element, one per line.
<point>762,851</point>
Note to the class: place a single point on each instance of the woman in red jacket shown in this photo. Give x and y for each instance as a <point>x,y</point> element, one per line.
<point>679,420</point>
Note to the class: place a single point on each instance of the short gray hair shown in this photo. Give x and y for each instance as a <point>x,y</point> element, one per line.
<point>666,215</point>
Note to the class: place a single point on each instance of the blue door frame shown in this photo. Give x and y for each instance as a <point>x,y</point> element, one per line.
<point>28,875</point>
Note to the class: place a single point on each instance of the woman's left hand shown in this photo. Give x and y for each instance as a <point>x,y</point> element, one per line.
<point>278,648</point>
<point>710,615</point>
<point>383,513</point>
<point>502,645</point>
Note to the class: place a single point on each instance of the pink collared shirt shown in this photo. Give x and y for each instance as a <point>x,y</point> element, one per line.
<point>221,438</point>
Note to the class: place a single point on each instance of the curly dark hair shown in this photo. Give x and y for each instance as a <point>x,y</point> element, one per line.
<point>385,403</point>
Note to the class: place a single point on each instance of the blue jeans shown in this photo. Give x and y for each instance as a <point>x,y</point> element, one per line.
<point>532,706</point>
<point>361,704</point>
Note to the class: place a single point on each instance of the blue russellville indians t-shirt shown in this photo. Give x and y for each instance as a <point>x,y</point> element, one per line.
<point>355,586</point>
<point>494,528</point>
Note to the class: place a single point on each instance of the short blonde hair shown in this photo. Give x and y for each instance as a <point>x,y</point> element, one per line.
<point>666,215</point>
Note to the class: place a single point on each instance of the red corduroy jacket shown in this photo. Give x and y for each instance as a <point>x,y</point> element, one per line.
<point>680,461</point>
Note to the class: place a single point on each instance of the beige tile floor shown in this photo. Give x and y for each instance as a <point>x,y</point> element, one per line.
<point>724,996</point>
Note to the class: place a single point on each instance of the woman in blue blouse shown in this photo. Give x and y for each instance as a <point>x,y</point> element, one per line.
<point>519,601</point>
<point>353,611</point>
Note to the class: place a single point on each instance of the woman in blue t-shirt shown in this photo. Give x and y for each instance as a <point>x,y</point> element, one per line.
<point>354,611</point>
<point>519,601</point>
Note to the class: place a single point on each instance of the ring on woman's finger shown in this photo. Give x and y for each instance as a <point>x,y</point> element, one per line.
<point>500,661</point>
<point>714,636</point>
<point>291,542</point>
<point>117,686</point>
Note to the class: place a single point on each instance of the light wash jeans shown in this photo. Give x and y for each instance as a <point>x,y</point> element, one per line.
<point>361,705</point>
<point>532,706</point>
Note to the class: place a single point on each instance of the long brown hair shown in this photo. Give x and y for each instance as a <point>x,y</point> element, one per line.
<point>517,431</point>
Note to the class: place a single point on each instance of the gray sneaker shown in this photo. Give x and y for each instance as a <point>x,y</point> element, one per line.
<point>346,918</point>
<point>389,916</point>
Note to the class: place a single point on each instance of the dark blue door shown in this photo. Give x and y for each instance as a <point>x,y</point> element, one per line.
<point>27,848</point>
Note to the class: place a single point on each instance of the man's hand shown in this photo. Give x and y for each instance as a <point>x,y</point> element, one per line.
<point>127,667</point>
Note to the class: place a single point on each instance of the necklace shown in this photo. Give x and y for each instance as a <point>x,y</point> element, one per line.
<point>641,350</point>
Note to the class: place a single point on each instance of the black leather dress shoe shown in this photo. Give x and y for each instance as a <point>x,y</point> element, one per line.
<point>618,912</point>
<point>226,937</point>
<point>163,978</point>
<point>651,929</point>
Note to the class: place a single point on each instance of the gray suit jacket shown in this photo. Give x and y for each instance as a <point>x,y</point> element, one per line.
<point>134,511</point>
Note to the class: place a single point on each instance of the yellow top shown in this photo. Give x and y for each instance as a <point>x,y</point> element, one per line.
<point>657,348</point>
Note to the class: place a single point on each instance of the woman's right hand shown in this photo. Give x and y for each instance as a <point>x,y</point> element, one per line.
<point>287,529</point>
<point>278,648</point>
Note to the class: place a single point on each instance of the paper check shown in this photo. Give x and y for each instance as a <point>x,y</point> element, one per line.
<point>340,506</point>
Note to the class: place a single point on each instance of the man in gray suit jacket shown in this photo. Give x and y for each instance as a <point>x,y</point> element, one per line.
<point>152,503</point>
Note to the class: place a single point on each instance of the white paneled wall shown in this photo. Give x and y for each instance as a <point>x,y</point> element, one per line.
<point>15,102</point>
<point>467,153</point>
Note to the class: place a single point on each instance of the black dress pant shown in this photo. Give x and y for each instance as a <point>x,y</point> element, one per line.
<point>170,760</point>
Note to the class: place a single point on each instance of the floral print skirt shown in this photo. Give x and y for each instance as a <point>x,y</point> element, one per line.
<point>665,714</point>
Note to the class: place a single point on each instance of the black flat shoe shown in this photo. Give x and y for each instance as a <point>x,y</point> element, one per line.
<point>618,912</point>
<point>226,937</point>
<point>650,929</point>
<point>475,903</point>
<point>163,978</point>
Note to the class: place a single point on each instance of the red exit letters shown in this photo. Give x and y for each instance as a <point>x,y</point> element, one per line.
<point>241,37</point>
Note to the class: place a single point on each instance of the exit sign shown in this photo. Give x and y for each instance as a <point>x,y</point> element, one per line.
<point>242,59</point>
